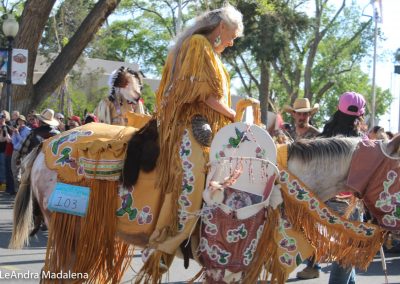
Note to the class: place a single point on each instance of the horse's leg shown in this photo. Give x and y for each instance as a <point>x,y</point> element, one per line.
<point>43,182</point>
<point>37,218</point>
<point>23,204</point>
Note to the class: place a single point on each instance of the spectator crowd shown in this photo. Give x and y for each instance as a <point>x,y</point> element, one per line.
<point>19,134</point>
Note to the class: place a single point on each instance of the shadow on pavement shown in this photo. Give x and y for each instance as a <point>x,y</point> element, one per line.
<point>392,264</point>
<point>6,200</point>
<point>35,242</point>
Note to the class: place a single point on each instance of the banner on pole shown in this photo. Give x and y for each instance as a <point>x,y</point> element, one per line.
<point>3,64</point>
<point>19,66</point>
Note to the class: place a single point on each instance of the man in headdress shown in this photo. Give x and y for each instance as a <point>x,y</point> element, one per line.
<point>125,90</point>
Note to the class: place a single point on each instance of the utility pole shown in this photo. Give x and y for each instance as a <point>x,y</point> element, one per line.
<point>373,105</point>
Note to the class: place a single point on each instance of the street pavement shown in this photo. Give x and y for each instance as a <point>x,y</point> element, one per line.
<point>31,259</point>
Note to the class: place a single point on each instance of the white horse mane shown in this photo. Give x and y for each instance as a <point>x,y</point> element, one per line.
<point>323,163</point>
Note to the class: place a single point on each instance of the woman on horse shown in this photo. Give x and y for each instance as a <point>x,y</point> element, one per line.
<point>194,83</point>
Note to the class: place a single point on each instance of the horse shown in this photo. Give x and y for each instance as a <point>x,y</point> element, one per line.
<point>125,90</point>
<point>307,160</point>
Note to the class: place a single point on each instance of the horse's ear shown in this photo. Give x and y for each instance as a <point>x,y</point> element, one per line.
<point>393,145</point>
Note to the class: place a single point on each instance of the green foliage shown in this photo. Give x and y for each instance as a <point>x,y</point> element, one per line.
<point>63,24</point>
<point>9,7</point>
<point>356,81</point>
<point>131,41</point>
<point>142,33</point>
<point>149,98</point>
<point>271,60</point>
<point>81,94</point>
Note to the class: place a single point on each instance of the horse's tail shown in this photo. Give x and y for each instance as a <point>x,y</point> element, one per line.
<point>142,153</point>
<point>23,207</point>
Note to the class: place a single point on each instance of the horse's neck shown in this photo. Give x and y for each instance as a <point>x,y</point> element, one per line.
<point>325,178</point>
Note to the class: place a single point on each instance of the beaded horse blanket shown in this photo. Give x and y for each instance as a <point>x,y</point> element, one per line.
<point>304,212</point>
<point>381,195</point>
<point>93,155</point>
<point>92,151</point>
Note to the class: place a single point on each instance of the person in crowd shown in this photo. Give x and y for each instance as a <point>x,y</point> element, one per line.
<point>3,142</point>
<point>47,128</point>
<point>378,133</point>
<point>20,133</point>
<point>90,117</point>
<point>61,119</point>
<point>7,117</point>
<point>32,121</point>
<point>301,113</point>
<point>14,117</point>
<point>346,121</point>
<point>194,82</point>
<point>73,122</point>
<point>10,189</point>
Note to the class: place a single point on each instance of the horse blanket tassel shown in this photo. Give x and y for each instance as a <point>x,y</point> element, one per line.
<point>320,225</point>
<point>98,252</point>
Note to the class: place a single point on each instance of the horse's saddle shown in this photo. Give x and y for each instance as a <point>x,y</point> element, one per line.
<point>94,150</point>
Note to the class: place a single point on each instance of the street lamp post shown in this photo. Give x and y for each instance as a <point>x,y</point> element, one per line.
<point>373,106</point>
<point>10,30</point>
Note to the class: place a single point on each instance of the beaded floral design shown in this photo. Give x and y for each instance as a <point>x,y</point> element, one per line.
<point>302,194</point>
<point>188,180</point>
<point>389,203</point>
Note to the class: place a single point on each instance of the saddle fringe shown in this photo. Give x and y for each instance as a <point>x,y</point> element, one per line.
<point>151,271</point>
<point>266,258</point>
<point>89,242</point>
<point>348,247</point>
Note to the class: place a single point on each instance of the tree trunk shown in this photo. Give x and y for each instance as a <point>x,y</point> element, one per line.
<point>30,97</point>
<point>264,90</point>
<point>33,20</point>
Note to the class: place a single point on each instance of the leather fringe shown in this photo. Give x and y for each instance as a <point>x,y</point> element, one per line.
<point>267,253</point>
<point>152,270</point>
<point>88,244</point>
<point>335,238</point>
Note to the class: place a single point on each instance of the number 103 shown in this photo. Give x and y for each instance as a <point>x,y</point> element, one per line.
<point>67,203</point>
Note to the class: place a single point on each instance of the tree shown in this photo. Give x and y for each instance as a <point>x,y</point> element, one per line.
<point>145,32</point>
<point>357,81</point>
<point>307,53</point>
<point>334,44</point>
<point>269,25</point>
<point>33,20</point>
<point>132,40</point>
<point>62,24</point>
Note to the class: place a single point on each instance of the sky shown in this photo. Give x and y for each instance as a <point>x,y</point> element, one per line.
<point>385,77</point>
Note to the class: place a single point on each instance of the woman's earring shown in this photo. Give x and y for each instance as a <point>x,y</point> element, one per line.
<point>217,41</point>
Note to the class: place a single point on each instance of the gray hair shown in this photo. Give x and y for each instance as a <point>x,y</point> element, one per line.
<point>207,22</point>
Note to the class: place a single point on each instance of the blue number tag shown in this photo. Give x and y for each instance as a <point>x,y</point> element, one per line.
<point>70,199</point>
